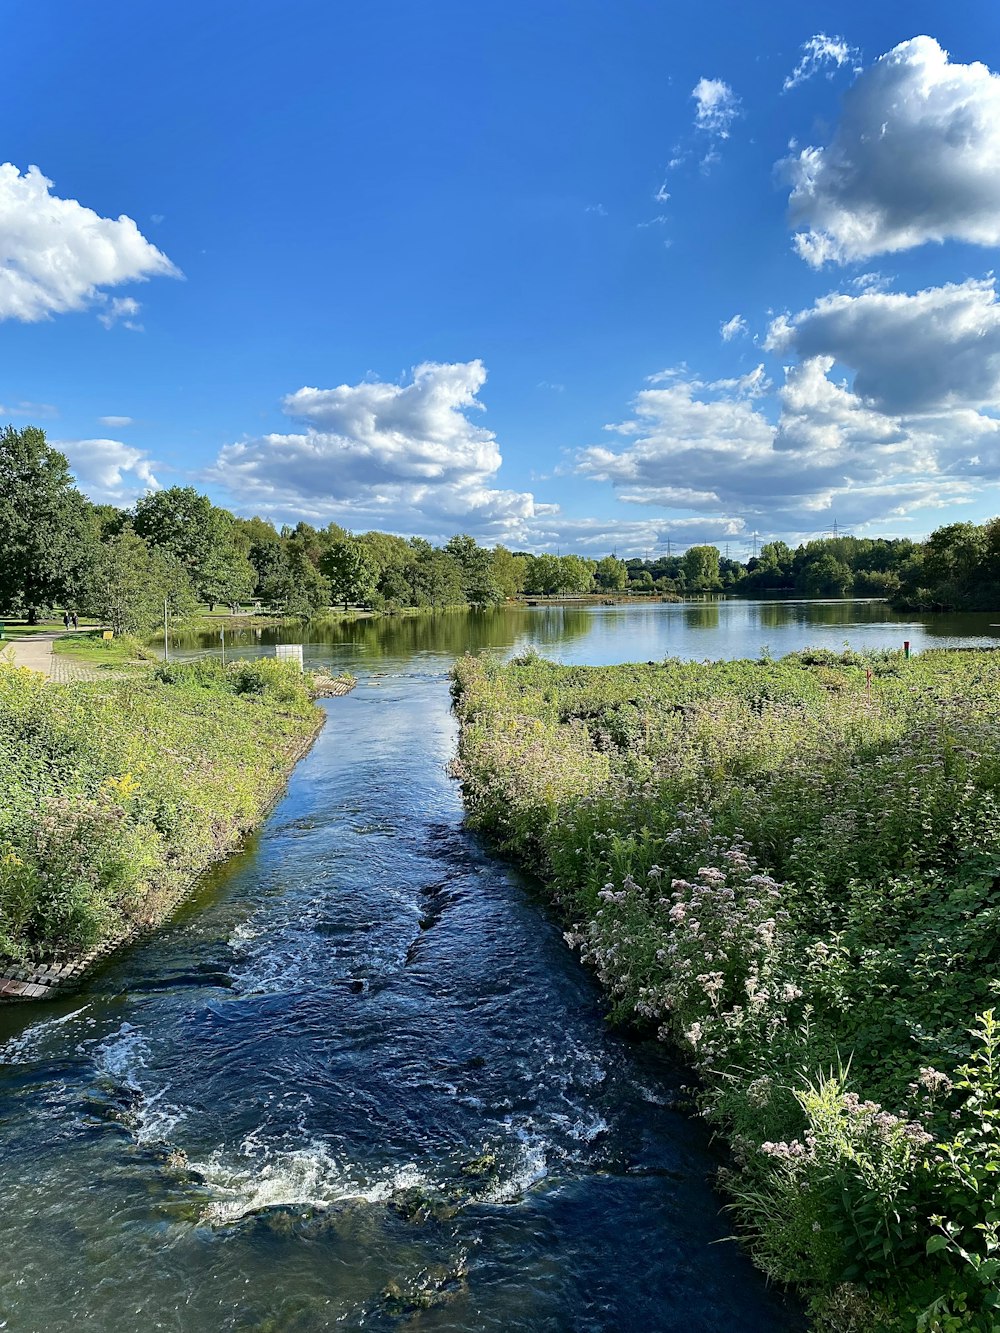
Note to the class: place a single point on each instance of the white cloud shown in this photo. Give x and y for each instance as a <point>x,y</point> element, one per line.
<point>116,423</point>
<point>915,158</point>
<point>817,447</point>
<point>597,536</point>
<point>34,410</point>
<point>821,52</point>
<point>405,457</point>
<point>732,328</point>
<point>599,209</point>
<point>934,350</point>
<point>124,308</point>
<point>108,471</point>
<point>56,255</point>
<point>716,107</point>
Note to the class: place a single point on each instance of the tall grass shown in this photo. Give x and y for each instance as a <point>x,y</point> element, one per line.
<point>791,871</point>
<point>114,794</point>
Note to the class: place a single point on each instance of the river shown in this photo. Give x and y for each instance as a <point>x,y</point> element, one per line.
<point>359,1081</point>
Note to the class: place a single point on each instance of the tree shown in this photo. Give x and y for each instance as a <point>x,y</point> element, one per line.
<point>611,574</point>
<point>227,576</point>
<point>508,571</point>
<point>475,567</point>
<point>350,573</point>
<point>826,576</point>
<point>701,568</point>
<point>208,541</point>
<point>48,541</point>
<point>130,581</point>
<point>437,579</point>
<point>295,583</point>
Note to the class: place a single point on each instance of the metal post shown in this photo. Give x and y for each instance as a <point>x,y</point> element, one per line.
<point>222,636</point>
<point>906,647</point>
<point>166,634</point>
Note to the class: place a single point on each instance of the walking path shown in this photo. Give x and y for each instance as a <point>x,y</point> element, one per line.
<point>35,652</point>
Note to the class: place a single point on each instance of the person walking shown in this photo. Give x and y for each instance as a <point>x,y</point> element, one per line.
<point>76,621</point>
<point>65,620</point>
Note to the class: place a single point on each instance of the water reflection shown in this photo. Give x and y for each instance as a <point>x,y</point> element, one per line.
<point>600,634</point>
<point>702,615</point>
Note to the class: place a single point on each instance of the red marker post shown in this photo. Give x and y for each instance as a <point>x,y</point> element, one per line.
<point>906,647</point>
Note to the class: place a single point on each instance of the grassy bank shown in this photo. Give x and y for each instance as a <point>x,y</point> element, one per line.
<point>791,871</point>
<point>91,646</point>
<point>114,795</point>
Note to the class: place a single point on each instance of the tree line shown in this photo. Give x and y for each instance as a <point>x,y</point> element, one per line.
<point>176,549</point>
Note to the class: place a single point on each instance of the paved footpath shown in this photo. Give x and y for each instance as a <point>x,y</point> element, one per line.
<point>35,651</point>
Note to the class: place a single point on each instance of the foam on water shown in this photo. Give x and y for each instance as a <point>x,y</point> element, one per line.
<point>123,1060</point>
<point>28,1046</point>
<point>259,1178</point>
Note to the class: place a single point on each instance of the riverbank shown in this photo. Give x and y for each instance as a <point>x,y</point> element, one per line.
<point>116,795</point>
<point>788,870</point>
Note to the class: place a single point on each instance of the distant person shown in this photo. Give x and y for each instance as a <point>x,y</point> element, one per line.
<point>65,620</point>
<point>76,621</point>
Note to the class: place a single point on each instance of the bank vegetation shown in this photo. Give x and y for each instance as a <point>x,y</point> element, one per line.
<point>115,795</point>
<point>790,871</point>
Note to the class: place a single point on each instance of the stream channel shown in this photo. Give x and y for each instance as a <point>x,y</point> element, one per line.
<point>359,1081</point>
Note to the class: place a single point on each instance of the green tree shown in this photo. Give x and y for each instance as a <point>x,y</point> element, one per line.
<point>295,584</point>
<point>475,566</point>
<point>208,541</point>
<point>701,568</point>
<point>350,572</point>
<point>508,571</point>
<point>826,576</point>
<point>47,538</point>
<point>437,579</point>
<point>129,582</point>
<point>611,574</point>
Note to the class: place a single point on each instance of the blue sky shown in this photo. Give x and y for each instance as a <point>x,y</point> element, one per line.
<point>403,266</point>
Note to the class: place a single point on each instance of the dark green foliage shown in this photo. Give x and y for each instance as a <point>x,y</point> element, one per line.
<point>47,539</point>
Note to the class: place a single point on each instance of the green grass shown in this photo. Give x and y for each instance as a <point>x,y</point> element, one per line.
<point>114,794</point>
<point>790,871</point>
<point>90,646</point>
<point>21,630</point>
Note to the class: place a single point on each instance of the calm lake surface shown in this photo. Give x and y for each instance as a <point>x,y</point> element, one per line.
<point>360,1072</point>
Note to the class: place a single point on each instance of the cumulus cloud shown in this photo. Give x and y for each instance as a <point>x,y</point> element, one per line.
<point>108,471</point>
<point>816,447</point>
<point>935,349</point>
<point>716,107</point>
<point>56,255</point>
<point>821,53</point>
<point>732,328</point>
<point>914,158</point>
<point>406,457</point>
<point>597,536</point>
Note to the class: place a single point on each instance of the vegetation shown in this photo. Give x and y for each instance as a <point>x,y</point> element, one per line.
<point>791,871</point>
<point>114,794</point>
<point>177,548</point>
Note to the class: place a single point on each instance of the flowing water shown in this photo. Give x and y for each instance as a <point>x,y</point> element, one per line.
<point>359,1081</point>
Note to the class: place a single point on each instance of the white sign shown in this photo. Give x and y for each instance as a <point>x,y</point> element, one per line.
<point>290,652</point>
